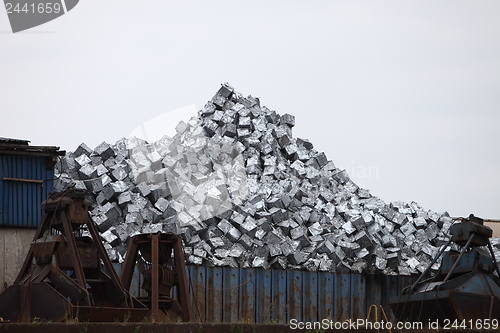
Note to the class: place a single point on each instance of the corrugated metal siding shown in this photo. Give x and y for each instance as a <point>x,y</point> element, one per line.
<point>20,202</point>
<point>223,294</point>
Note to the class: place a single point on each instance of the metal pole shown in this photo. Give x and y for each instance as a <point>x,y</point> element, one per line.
<point>455,264</point>
<point>155,281</point>
<point>412,288</point>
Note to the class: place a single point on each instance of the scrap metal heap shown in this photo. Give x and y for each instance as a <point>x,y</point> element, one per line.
<point>62,277</point>
<point>464,288</point>
<point>242,191</point>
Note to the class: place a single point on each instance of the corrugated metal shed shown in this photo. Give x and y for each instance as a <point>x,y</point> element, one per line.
<point>26,178</point>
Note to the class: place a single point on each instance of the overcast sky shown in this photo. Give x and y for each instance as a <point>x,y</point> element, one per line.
<point>403,94</point>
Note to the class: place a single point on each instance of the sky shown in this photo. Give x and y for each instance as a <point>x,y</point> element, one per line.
<point>404,95</point>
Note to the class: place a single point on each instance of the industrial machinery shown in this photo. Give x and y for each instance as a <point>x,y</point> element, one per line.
<point>62,276</point>
<point>160,260</point>
<point>464,288</point>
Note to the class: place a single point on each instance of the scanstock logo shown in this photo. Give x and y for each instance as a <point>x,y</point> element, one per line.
<point>26,14</point>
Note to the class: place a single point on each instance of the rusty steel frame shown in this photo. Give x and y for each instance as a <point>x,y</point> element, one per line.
<point>43,287</point>
<point>152,247</point>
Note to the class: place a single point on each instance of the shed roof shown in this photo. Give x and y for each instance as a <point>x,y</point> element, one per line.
<point>9,146</point>
<point>13,141</point>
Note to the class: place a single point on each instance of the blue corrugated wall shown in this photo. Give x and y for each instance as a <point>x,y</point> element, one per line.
<point>223,294</point>
<point>255,295</point>
<point>20,202</point>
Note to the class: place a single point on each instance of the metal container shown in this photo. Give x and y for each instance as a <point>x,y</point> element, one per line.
<point>255,295</point>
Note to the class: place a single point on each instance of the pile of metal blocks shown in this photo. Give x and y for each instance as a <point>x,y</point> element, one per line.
<point>242,191</point>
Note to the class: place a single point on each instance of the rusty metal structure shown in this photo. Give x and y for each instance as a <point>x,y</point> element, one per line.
<point>160,260</point>
<point>464,287</point>
<point>62,276</point>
